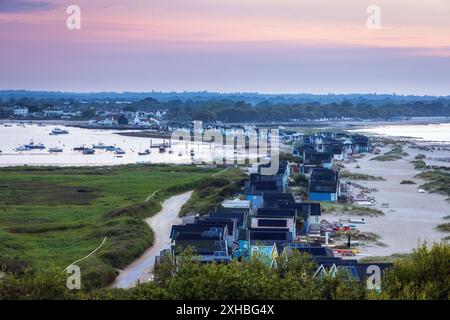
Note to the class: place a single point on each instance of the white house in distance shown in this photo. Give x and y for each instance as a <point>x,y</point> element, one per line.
<point>20,111</point>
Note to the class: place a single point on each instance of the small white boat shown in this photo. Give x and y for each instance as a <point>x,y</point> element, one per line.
<point>88,151</point>
<point>364,203</point>
<point>21,148</point>
<point>58,131</point>
<point>55,150</point>
<point>357,221</point>
<point>145,153</point>
<point>143,162</point>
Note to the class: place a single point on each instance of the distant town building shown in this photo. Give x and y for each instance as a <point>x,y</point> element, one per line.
<point>20,111</point>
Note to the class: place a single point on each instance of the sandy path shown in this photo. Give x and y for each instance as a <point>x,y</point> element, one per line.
<point>161,223</point>
<point>411,216</point>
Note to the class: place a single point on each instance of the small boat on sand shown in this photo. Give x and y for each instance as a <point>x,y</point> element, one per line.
<point>55,150</point>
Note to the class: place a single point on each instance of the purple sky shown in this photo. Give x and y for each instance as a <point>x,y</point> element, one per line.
<point>273,46</point>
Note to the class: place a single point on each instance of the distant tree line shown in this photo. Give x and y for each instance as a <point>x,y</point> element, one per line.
<point>240,111</point>
<point>228,110</point>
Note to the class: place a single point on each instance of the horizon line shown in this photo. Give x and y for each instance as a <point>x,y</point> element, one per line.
<point>228,93</point>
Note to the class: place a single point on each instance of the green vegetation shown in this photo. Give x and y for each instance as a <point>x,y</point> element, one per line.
<point>444,227</point>
<point>396,153</point>
<point>419,165</point>
<point>423,274</point>
<point>359,176</point>
<point>212,192</point>
<point>338,165</point>
<point>289,157</point>
<point>420,156</point>
<point>407,182</point>
<point>385,259</point>
<point>54,216</point>
<point>437,181</point>
<point>341,208</point>
<point>236,107</point>
<point>365,237</point>
<point>300,180</point>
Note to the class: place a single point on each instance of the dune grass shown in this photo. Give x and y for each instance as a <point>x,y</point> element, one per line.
<point>54,216</point>
<point>212,192</point>
<point>353,210</point>
<point>437,182</point>
<point>359,176</point>
<point>444,227</point>
<point>396,153</point>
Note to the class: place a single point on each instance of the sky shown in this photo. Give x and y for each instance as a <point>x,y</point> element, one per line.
<point>267,46</point>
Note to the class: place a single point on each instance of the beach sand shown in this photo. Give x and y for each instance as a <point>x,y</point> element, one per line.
<point>411,216</point>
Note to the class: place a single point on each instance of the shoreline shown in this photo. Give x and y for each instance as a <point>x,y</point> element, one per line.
<point>411,217</point>
<point>340,124</point>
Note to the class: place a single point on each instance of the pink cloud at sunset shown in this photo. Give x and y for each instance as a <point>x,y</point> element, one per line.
<point>204,44</point>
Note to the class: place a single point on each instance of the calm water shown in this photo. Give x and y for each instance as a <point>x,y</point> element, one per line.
<point>13,137</point>
<point>427,132</point>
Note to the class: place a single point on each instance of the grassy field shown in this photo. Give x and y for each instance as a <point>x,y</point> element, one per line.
<point>54,216</point>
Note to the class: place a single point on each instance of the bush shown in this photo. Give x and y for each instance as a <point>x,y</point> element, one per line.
<point>407,182</point>
<point>425,274</point>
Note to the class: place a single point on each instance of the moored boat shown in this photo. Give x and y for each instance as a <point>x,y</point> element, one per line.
<point>33,146</point>
<point>55,150</point>
<point>88,151</point>
<point>58,131</point>
<point>99,145</point>
<point>145,153</point>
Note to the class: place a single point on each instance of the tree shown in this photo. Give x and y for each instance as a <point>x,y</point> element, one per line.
<point>425,274</point>
<point>301,180</point>
<point>122,120</point>
<point>88,113</point>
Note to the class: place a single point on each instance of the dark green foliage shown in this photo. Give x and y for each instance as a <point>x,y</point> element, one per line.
<point>301,180</point>
<point>419,164</point>
<point>425,274</point>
